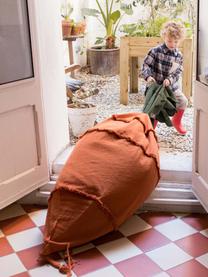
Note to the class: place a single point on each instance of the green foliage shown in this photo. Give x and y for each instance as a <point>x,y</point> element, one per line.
<point>66,10</point>
<point>99,40</point>
<point>144,28</point>
<point>160,11</point>
<point>189,29</point>
<point>108,16</point>
<point>170,8</point>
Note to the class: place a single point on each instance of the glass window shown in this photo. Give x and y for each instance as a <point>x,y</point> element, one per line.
<point>202,52</point>
<point>15,47</point>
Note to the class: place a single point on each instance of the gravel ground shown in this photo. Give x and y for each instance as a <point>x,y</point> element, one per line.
<point>108,103</point>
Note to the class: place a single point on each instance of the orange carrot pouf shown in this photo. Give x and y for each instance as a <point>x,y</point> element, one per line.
<point>112,170</point>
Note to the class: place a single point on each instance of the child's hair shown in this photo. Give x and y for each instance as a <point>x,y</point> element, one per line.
<point>173,29</point>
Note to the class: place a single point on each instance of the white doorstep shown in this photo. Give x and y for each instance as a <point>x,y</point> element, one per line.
<point>172,161</point>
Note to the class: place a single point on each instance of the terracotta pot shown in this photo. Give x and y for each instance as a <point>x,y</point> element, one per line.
<point>83,27</point>
<point>76,30</point>
<point>79,28</point>
<point>66,28</point>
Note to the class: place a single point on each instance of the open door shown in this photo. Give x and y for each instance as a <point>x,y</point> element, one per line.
<point>23,159</point>
<point>200,152</point>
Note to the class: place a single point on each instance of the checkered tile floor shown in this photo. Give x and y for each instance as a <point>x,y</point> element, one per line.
<point>149,244</point>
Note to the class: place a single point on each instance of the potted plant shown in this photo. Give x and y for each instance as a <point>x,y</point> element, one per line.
<point>104,59</point>
<point>67,23</point>
<point>82,115</point>
<point>78,28</point>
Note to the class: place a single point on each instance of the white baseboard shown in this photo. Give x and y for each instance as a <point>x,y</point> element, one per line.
<point>167,196</point>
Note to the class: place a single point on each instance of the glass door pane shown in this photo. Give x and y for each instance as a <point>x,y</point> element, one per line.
<point>202,51</point>
<point>15,46</point>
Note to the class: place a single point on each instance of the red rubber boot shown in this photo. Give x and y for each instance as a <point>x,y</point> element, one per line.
<point>155,123</point>
<point>176,121</point>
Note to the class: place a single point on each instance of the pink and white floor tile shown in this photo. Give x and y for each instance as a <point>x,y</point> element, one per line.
<point>149,244</point>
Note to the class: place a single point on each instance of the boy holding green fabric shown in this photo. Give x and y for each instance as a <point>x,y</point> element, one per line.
<point>164,65</point>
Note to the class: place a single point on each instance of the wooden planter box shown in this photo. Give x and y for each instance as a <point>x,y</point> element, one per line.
<point>133,47</point>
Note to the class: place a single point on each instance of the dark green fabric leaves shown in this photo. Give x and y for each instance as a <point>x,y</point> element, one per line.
<point>160,103</point>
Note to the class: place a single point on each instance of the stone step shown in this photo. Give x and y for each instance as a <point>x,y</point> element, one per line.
<point>173,166</point>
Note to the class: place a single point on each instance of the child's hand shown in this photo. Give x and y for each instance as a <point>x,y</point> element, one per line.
<point>150,79</point>
<point>166,83</point>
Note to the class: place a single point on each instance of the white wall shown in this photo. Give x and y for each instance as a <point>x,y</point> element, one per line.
<point>53,78</point>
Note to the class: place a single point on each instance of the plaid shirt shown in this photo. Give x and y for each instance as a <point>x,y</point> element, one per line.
<point>162,63</point>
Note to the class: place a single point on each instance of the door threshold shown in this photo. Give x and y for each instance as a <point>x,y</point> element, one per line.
<point>176,161</point>
<point>61,160</point>
<point>172,193</point>
<point>175,167</point>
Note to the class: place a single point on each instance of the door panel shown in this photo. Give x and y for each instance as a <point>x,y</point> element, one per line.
<point>23,159</point>
<point>200,135</point>
<point>200,153</point>
<point>15,137</point>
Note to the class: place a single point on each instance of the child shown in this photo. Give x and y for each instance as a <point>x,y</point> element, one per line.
<point>163,64</point>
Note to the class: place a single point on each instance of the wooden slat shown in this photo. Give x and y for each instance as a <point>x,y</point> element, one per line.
<point>73,37</point>
<point>138,51</point>
<point>72,67</point>
<point>124,70</point>
<point>141,50</point>
<point>150,42</point>
<point>69,93</point>
<point>134,72</point>
<point>187,67</point>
